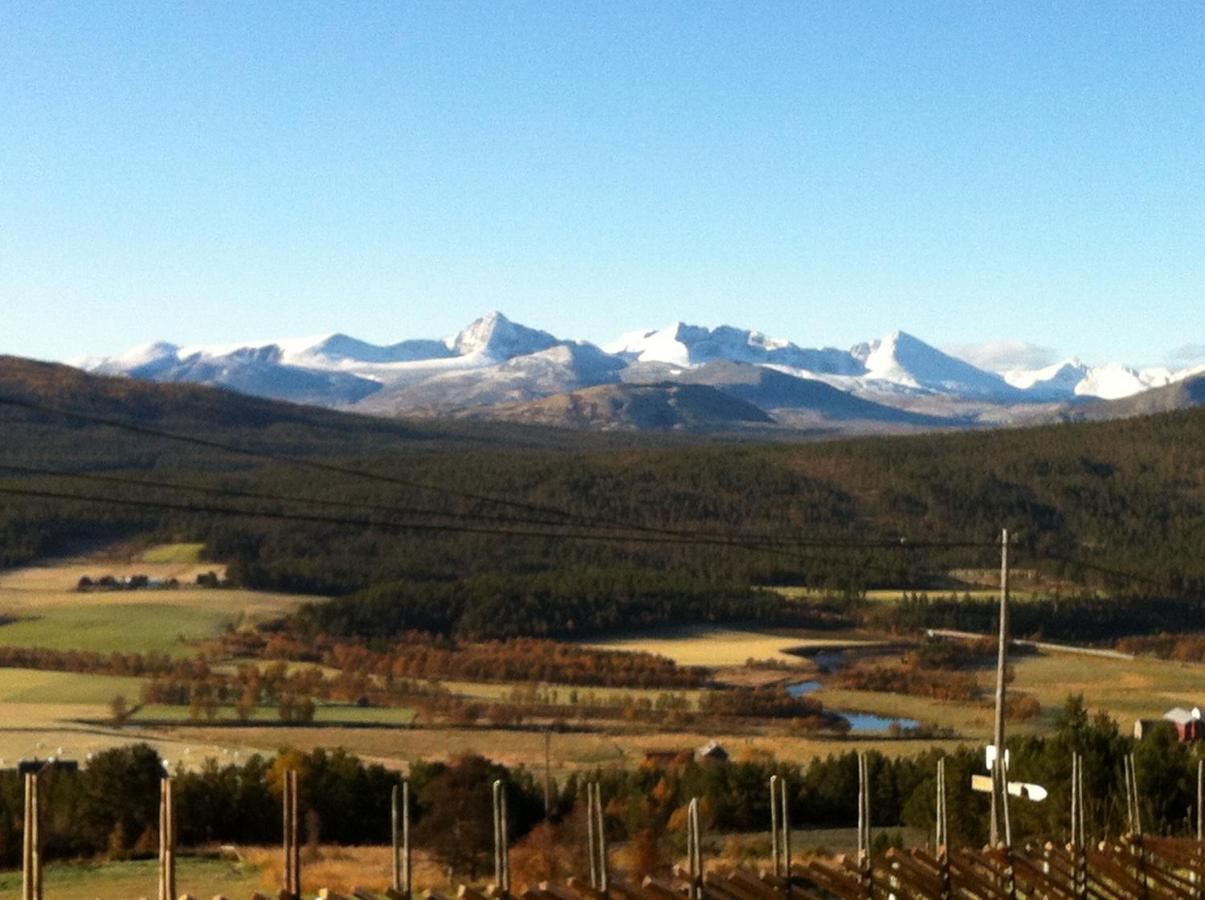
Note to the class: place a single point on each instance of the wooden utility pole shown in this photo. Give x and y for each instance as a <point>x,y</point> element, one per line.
<point>1000,772</point>
<point>865,865</point>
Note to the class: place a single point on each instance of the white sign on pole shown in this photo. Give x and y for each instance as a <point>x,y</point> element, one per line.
<point>989,757</point>
<point>1034,792</point>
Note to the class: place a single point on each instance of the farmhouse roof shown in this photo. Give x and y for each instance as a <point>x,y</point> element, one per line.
<point>712,750</point>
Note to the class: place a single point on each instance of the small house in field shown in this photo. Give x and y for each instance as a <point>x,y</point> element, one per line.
<point>712,750</point>
<point>1189,726</point>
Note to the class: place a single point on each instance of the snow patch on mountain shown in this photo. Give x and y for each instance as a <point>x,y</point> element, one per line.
<point>1110,381</point>
<point>686,345</point>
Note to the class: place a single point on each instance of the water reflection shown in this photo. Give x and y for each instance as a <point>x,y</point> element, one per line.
<point>859,722</point>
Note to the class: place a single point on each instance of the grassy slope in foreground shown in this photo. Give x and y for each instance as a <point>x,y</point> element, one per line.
<point>122,880</point>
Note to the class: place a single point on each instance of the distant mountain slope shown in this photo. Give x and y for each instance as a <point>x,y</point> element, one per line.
<point>772,390</point>
<point>638,407</point>
<point>1186,394</point>
<point>561,368</point>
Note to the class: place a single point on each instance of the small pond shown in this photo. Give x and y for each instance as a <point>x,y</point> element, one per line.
<point>859,722</point>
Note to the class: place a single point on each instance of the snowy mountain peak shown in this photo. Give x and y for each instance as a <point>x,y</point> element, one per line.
<point>905,360</point>
<point>495,360</point>
<point>499,338</point>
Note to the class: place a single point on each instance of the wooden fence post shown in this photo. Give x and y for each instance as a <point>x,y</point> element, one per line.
<point>31,866</point>
<point>292,846</point>
<point>400,836</point>
<point>167,839</point>
<point>590,841</point>
<point>785,819</point>
<point>501,839</point>
<point>603,874</point>
<point>774,840</point>
<point>694,849</point>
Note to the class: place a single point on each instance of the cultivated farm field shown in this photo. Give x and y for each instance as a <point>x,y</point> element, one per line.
<point>706,645</point>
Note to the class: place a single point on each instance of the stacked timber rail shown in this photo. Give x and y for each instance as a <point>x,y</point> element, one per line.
<point>1146,869</point>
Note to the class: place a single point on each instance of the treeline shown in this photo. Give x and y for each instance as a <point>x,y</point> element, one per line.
<point>1080,618</point>
<point>110,806</point>
<point>427,656</point>
<point>561,604</point>
<point>1180,647</point>
<point>905,679</point>
<point>131,664</point>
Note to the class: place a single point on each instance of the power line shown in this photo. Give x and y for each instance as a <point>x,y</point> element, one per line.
<point>780,548</point>
<point>1107,570</point>
<point>328,468</point>
<point>345,504</point>
<point>425,527</point>
<point>257,495</point>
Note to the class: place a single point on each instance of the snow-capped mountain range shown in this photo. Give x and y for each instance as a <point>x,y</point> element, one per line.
<point>495,362</point>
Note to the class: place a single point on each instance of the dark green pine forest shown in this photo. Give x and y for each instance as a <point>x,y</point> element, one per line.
<point>499,530</point>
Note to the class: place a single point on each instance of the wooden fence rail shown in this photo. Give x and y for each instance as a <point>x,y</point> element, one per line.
<point>1137,866</point>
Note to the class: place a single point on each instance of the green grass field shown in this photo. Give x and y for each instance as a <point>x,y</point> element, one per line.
<point>125,880</point>
<point>53,614</point>
<point>1126,689</point>
<point>60,688</point>
<point>324,714</point>
<point>127,627</point>
<point>173,553</point>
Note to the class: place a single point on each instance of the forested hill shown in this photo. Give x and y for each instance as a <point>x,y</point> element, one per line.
<point>31,391</point>
<point>494,530</point>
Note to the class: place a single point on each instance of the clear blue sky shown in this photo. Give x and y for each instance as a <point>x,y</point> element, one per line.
<point>827,172</point>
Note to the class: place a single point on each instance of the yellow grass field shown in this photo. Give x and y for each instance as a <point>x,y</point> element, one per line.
<point>705,645</point>
<point>1126,689</point>
<point>572,751</point>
